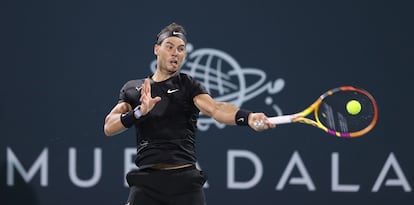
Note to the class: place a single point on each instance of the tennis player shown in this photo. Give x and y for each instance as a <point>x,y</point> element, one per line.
<point>164,109</point>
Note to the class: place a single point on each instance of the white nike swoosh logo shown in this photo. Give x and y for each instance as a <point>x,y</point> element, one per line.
<point>169,91</point>
<point>240,119</point>
<point>176,33</point>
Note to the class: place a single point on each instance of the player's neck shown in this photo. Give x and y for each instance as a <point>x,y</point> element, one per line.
<point>161,76</point>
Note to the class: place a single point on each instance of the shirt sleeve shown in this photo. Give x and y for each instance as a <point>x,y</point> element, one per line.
<point>197,87</point>
<point>130,92</point>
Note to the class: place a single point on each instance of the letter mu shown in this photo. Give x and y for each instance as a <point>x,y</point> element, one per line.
<point>41,165</point>
<point>305,178</point>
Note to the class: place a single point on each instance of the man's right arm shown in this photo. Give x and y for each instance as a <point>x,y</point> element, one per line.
<point>113,125</point>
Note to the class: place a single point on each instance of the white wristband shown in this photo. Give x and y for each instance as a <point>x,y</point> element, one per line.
<point>137,112</point>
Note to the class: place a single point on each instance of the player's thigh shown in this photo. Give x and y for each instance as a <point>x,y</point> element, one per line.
<point>137,196</point>
<point>191,198</point>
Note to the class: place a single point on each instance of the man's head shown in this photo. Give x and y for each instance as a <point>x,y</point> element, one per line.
<point>171,30</point>
<point>170,48</point>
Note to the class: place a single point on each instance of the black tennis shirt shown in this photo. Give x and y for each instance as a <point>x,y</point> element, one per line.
<point>167,133</point>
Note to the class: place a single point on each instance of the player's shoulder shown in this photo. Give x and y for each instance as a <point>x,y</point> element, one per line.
<point>192,84</point>
<point>186,77</point>
<point>133,83</point>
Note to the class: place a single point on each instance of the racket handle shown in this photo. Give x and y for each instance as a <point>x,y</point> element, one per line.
<point>284,119</point>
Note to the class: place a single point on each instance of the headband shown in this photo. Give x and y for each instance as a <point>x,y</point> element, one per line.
<point>167,34</point>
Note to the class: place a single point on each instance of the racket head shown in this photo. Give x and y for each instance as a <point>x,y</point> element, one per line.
<point>332,115</point>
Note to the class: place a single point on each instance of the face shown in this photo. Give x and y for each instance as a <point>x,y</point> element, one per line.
<point>170,54</point>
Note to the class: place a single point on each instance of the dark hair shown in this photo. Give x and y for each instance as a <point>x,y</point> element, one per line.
<point>170,31</point>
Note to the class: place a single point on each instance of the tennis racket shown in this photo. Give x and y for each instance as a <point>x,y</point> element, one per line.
<point>332,115</point>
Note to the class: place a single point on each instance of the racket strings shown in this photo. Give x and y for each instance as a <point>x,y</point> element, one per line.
<point>333,113</point>
<point>343,124</point>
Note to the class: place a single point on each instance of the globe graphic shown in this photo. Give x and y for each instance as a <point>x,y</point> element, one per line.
<point>219,73</point>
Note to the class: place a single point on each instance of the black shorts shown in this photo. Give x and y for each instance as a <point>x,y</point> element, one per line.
<point>166,187</point>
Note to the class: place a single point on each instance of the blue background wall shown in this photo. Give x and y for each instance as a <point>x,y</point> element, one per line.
<point>63,63</point>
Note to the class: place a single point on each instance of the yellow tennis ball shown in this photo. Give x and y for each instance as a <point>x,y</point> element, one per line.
<point>353,107</point>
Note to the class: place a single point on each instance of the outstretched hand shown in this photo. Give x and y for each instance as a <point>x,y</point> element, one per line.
<point>147,101</point>
<point>259,122</point>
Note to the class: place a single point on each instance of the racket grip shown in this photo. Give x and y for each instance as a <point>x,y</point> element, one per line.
<point>284,119</point>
